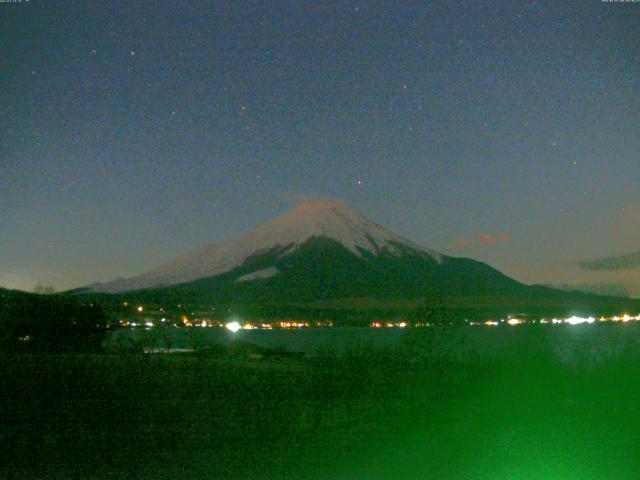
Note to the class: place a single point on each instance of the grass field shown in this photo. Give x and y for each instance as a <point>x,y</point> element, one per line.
<point>364,415</point>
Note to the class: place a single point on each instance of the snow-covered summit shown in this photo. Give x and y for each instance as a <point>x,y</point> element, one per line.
<point>334,219</point>
<point>321,217</point>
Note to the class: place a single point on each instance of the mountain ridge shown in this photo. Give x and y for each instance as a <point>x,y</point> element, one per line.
<point>320,217</point>
<point>323,253</point>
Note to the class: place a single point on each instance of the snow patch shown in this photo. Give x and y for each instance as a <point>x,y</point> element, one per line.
<point>259,274</point>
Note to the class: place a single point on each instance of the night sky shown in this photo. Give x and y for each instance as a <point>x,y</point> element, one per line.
<point>133,132</point>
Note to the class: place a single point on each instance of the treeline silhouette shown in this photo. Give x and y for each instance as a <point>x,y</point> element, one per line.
<point>49,324</point>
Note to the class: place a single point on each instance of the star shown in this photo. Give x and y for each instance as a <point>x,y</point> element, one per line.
<point>133,53</point>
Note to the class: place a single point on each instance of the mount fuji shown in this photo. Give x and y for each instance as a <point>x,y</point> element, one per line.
<point>323,251</point>
<point>309,229</point>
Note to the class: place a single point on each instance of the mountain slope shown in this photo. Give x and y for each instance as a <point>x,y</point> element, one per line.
<point>320,218</point>
<point>322,268</point>
<point>322,253</point>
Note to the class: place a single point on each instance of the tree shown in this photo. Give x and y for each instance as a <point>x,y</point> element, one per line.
<point>51,324</point>
<point>433,308</point>
<point>422,343</point>
<point>44,290</point>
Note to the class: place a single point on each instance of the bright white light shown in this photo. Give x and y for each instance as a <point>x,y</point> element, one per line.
<point>233,326</point>
<point>514,321</point>
<point>578,320</point>
<point>149,324</point>
<point>491,323</point>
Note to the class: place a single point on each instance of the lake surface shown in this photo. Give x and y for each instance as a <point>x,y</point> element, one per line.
<point>567,343</point>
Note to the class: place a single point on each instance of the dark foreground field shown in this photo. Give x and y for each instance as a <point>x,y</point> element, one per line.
<point>369,415</point>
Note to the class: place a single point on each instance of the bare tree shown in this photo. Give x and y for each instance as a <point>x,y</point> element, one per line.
<point>43,290</point>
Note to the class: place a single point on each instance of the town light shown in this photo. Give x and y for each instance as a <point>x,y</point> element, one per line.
<point>578,320</point>
<point>233,326</point>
